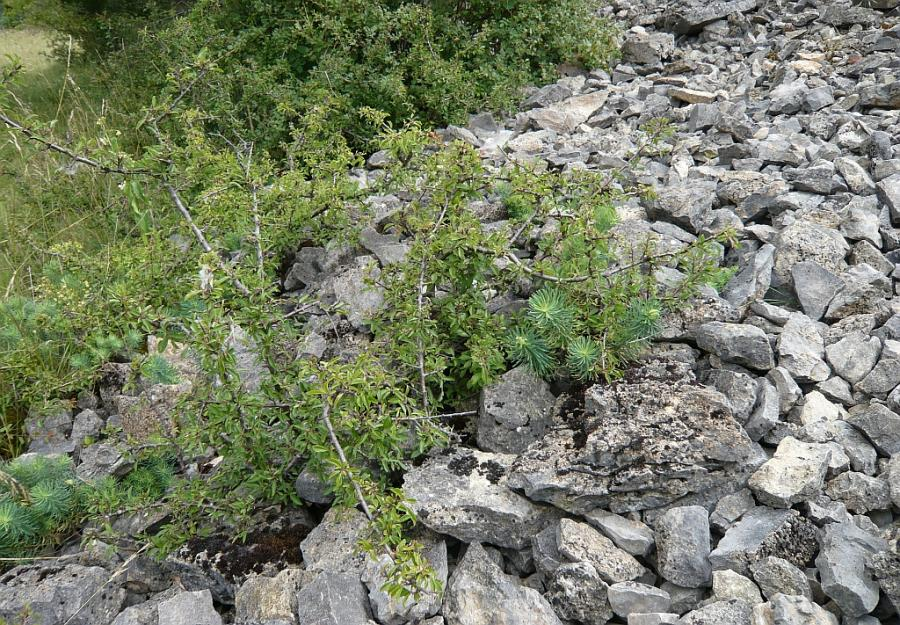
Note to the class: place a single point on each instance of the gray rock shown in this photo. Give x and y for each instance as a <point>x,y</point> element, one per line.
<point>879,424</point>
<point>855,175</point>
<point>189,608</point>
<point>333,599</point>
<point>736,343</point>
<point>789,391</point>
<point>146,613</point>
<point>885,376</point>
<point>730,508</point>
<point>860,492</point>
<point>645,443</point>
<point>815,287</point>
<point>466,494</point>
<point>576,592</point>
<point>795,473</point>
<point>58,596</point>
<point>87,425</point>
<point>544,551</point>
<point>885,567</point>
<point>547,95</point>
<point>579,542</point>
<point>766,411</point>
<point>479,593</point>
<point>817,178</point>
<point>514,412</point>
<point>268,598</point>
<point>893,478</point>
<point>788,97</point>
<point>740,389</point>
<point>100,460</point>
<point>842,567</point>
<point>653,618</point>
<point>633,597</point>
<point>311,488</point>
<point>331,546</point>
<point>628,535</point>
<point>753,280</point>
<point>818,98</point>
<point>647,48</point>
<point>727,585</point>
<point>683,544</point>
<point>387,248</point>
<point>776,575</point>
<point>731,612</point>
<point>854,356</point>
<point>688,206</point>
<point>48,430</point>
<point>352,293</point>
<point>690,16</point>
<point>801,350</point>
<point>764,532</point>
<point>307,270</point>
<point>807,242</point>
<point>865,291</point>
<point>888,190</point>
<point>796,610</point>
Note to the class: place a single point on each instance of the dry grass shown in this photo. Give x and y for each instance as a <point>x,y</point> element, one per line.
<point>30,45</point>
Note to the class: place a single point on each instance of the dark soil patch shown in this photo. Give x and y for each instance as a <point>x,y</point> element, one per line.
<point>276,548</point>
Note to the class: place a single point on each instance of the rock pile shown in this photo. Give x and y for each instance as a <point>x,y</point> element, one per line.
<point>749,470</point>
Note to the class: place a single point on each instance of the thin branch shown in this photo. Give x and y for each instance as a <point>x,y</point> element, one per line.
<point>326,419</point>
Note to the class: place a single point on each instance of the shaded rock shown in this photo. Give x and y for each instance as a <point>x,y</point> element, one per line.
<point>688,206</point>
<point>808,242</point>
<point>842,567</point>
<point>631,536</point>
<point>815,287</point>
<point>48,430</point>
<point>333,599</point>
<point>683,544</point>
<point>690,16</point>
<point>737,343</point>
<point>643,443</point>
<point>466,494</point>
<point>796,472</point>
<point>730,508</point>
<point>854,356</point>
<point>514,412</point>
<point>753,280</point>
<point>479,593</point>
<point>766,411</point>
<point>879,424</point>
<point>352,293</point>
<point>801,350</point>
<point>189,608</point>
<point>647,48</point>
<point>764,532</point>
<point>865,291</point>
<point>885,567</point>
<point>73,595</point>
<point>577,593</point>
<point>740,389</point>
<point>859,492</point>
<point>776,575</point>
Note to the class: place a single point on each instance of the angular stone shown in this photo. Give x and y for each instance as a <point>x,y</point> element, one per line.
<point>333,599</point>
<point>795,610</point>
<point>865,292</point>
<point>801,350</point>
<point>888,191</point>
<point>647,48</point>
<point>776,575</point>
<point>480,593</point>
<point>764,532</point>
<point>730,508</point>
<point>885,376</point>
<point>58,595</point>
<point>466,494</point>
<point>360,300</point>
<point>740,389</point>
<point>861,493</point>
<point>683,545</point>
<point>854,356</point>
<point>808,242</point>
<point>727,585</point>
<point>893,478</point>
<point>688,206</point>
<point>631,536</point>
<point>796,472</point>
<point>579,542</point>
<point>885,566</point>
<point>879,424</point>
<point>857,178</point>
<point>189,608</point>
<point>815,287</point>
<point>766,412</point>
<point>653,618</point>
<point>733,342</point>
<point>268,598</point>
<point>331,546</point>
<point>514,412</point>
<point>629,597</point>
<point>789,392</point>
<point>842,567</point>
<point>731,612</point>
<point>690,16</point>
<point>644,443</point>
<point>577,593</point>
<point>753,280</point>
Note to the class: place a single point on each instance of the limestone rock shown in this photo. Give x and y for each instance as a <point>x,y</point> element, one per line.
<point>514,412</point>
<point>683,545</point>
<point>796,472</point>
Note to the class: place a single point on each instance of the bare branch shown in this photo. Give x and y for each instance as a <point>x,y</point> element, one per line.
<point>326,419</point>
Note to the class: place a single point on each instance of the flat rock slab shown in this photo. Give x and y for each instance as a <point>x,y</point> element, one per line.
<point>465,494</point>
<point>645,442</point>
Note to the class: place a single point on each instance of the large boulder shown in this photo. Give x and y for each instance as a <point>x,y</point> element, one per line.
<point>645,442</point>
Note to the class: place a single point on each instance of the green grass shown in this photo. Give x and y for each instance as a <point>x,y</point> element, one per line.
<point>41,206</point>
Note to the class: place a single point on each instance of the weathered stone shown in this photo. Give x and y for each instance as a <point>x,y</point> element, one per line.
<point>730,508</point>
<point>865,291</point>
<point>48,430</point>
<point>736,343</point>
<point>854,356</point>
<point>807,242</point>
<point>690,16</point>
<point>689,206</point>
<point>893,478</point>
<point>151,413</point>
<point>479,593</point>
<point>879,424</point>
<point>731,612</point>
<point>514,412</point>
<point>189,608</point>
<point>764,532</point>
<point>683,544</point>
<point>355,295</point>
<point>653,618</point>
<point>857,178</point>
<point>333,599</point>
<point>776,575</point>
<point>801,350</point>
<point>466,494</point>
<point>100,460</point>
<point>629,597</point>
<point>740,389</point>
<point>766,411</point>
<point>631,536</point>
<point>796,472</point>
<point>268,598</point>
<point>795,610</point>
<point>859,492</point>
<point>888,190</point>
<point>885,567</point>
<point>815,287</point>
<point>643,444</point>
<point>577,593</point>
<point>727,585</point>
<point>331,546</point>
<point>753,280</point>
<point>58,596</point>
<point>647,48</point>
<point>789,392</point>
<point>842,567</point>
<point>579,542</point>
